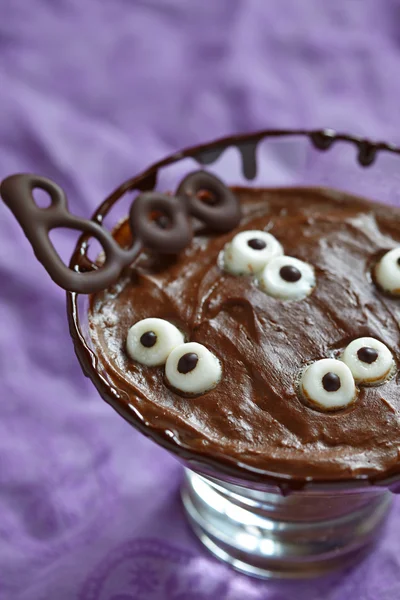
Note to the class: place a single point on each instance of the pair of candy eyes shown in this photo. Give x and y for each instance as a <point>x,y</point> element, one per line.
<point>330,384</point>
<point>189,367</point>
<point>259,253</point>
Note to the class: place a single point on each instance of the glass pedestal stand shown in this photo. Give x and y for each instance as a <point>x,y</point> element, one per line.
<point>265,534</point>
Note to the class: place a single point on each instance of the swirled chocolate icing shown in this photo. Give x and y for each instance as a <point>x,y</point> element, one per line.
<point>254,421</point>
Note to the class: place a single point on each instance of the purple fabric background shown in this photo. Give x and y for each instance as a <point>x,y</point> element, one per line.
<point>91,92</point>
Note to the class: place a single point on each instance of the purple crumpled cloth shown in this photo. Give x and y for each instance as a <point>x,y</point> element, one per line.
<point>90,93</point>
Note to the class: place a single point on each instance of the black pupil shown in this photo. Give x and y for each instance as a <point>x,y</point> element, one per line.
<point>187,362</point>
<point>256,244</point>
<point>367,355</point>
<point>398,261</point>
<point>331,382</point>
<point>148,339</point>
<point>290,273</point>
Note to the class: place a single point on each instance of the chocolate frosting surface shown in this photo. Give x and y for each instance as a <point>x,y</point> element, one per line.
<point>254,418</point>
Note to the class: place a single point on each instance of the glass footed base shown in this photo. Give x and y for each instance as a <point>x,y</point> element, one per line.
<point>268,535</point>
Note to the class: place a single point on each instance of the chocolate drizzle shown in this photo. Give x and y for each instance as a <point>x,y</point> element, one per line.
<point>323,140</point>
<point>366,153</point>
<point>249,159</point>
<point>367,150</point>
<point>207,157</point>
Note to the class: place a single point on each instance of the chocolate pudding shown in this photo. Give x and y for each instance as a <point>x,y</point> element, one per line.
<point>256,419</point>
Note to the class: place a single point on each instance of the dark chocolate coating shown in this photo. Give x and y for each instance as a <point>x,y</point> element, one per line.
<point>169,233</point>
<point>254,423</point>
<point>222,215</point>
<point>172,239</point>
<point>163,221</point>
<point>37,223</point>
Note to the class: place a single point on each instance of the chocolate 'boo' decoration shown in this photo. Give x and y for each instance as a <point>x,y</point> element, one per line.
<point>173,238</point>
<point>220,216</point>
<point>17,193</point>
<point>37,223</point>
<point>224,212</point>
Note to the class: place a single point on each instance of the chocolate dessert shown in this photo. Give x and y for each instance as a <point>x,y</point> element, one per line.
<point>253,331</point>
<point>257,416</point>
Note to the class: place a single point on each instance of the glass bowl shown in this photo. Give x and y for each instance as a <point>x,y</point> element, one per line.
<point>259,522</point>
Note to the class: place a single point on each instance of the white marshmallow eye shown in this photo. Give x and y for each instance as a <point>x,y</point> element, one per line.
<point>387,272</point>
<point>150,341</point>
<point>191,368</point>
<point>370,361</point>
<point>249,252</point>
<point>287,278</point>
<point>328,384</point>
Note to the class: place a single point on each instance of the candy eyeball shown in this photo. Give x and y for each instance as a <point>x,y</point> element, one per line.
<point>287,278</point>
<point>328,384</point>
<point>249,252</point>
<point>150,341</point>
<point>191,368</point>
<point>387,272</point>
<point>370,361</point>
